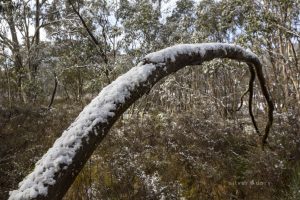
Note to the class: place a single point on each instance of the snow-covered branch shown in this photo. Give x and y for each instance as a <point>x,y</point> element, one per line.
<point>58,168</point>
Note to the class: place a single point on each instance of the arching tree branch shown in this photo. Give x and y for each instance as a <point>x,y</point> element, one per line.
<point>58,168</point>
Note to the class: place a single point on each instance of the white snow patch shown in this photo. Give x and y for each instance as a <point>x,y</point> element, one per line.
<point>170,53</point>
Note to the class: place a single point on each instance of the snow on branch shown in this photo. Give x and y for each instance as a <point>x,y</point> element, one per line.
<point>170,53</point>
<point>57,169</point>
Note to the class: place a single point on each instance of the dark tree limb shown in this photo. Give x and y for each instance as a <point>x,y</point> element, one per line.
<point>93,38</point>
<point>250,89</point>
<point>265,91</point>
<point>58,168</point>
<point>242,100</point>
<point>252,78</point>
<point>54,90</point>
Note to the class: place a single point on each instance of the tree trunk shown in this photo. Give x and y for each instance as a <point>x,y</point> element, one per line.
<point>54,91</point>
<point>58,168</point>
<point>35,64</point>
<point>16,50</point>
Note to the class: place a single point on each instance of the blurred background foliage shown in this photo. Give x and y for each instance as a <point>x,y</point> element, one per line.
<point>183,140</point>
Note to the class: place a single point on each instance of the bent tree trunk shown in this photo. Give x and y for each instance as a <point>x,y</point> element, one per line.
<point>58,168</point>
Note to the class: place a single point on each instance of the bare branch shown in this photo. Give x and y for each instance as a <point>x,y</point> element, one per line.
<point>95,41</point>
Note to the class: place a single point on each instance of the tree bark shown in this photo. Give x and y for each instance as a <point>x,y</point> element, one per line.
<point>41,184</point>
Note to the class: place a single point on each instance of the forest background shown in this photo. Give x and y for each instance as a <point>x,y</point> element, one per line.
<point>188,138</point>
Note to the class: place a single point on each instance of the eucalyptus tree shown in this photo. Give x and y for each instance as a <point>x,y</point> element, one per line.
<point>87,35</point>
<point>141,25</point>
<point>21,24</point>
<point>179,26</point>
<point>269,27</point>
<point>8,23</point>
